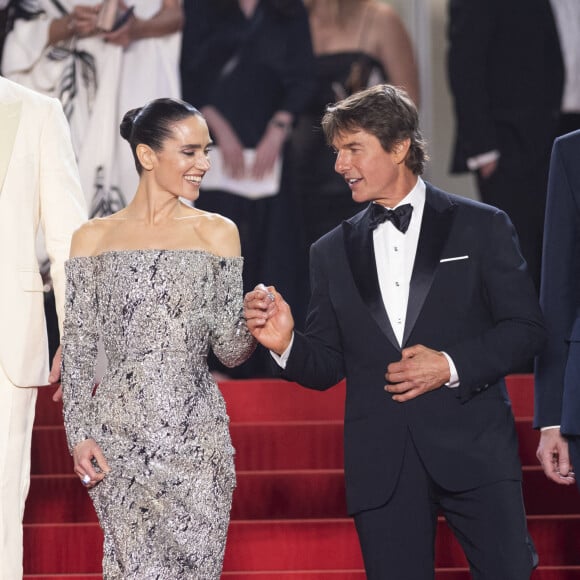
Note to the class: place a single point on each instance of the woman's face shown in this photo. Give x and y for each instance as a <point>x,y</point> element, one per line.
<point>182,162</point>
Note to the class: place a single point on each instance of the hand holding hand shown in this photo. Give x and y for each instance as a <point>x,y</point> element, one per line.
<point>269,318</point>
<point>419,371</point>
<point>553,455</point>
<point>83,454</point>
<point>83,20</point>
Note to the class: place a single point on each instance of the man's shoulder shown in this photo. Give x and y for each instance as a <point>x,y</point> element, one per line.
<point>568,141</point>
<point>9,90</point>
<point>466,205</point>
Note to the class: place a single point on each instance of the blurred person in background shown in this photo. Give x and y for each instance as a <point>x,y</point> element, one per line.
<point>248,66</point>
<point>357,44</point>
<point>506,75</point>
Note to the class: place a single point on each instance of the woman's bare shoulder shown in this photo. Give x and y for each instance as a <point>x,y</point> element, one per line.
<point>87,238</point>
<point>219,233</point>
<point>383,19</point>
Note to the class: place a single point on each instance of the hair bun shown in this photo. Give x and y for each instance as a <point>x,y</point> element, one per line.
<point>127,123</point>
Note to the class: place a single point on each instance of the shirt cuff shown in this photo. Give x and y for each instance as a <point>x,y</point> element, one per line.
<point>453,382</point>
<point>549,427</point>
<point>282,359</point>
<point>474,163</point>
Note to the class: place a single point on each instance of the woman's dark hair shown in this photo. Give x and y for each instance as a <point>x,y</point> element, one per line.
<point>153,123</point>
<point>384,111</point>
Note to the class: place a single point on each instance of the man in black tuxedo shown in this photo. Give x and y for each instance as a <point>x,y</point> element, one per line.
<point>557,377</point>
<point>507,75</point>
<point>433,292</point>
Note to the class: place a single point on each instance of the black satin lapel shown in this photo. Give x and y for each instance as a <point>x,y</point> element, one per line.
<point>358,241</point>
<point>435,228</point>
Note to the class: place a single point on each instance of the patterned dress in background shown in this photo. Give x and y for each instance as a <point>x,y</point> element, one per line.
<point>157,414</point>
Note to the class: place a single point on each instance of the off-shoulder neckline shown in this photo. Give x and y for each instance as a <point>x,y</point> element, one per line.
<point>155,251</point>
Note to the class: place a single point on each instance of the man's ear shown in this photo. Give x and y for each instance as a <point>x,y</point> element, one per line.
<point>401,149</point>
<point>146,156</point>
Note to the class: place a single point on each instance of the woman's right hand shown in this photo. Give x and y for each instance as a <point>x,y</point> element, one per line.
<point>83,454</point>
<point>269,318</point>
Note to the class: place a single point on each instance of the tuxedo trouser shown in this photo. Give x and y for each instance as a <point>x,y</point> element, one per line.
<point>398,538</point>
<point>17,407</point>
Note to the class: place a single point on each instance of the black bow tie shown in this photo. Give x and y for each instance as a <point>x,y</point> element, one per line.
<point>400,216</point>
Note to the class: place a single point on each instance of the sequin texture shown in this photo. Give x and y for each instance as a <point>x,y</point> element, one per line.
<point>157,414</point>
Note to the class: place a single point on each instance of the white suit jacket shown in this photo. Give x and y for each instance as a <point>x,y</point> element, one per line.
<point>39,186</point>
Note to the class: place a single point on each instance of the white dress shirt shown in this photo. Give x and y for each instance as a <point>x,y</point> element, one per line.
<point>395,256</point>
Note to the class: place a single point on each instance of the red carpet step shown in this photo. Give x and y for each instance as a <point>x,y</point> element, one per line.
<point>266,445</point>
<point>293,494</point>
<point>285,545</point>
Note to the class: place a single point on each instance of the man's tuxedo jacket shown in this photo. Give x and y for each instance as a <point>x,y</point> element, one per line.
<point>506,74</point>
<point>470,296</point>
<point>39,185</point>
<point>557,379</point>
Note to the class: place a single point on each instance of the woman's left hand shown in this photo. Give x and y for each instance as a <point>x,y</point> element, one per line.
<point>85,454</point>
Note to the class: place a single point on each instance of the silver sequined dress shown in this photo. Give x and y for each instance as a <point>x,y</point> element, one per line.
<point>157,414</point>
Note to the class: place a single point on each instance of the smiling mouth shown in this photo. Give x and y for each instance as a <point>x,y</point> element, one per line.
<point>353,181</point>
<point>193,179</point>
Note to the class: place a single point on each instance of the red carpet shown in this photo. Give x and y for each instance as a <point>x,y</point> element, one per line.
<point>288,517</point>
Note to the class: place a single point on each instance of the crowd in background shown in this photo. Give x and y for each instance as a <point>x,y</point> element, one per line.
<point>262,73</point>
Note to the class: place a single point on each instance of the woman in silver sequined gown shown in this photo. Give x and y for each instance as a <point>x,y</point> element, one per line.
<point>160,284</point>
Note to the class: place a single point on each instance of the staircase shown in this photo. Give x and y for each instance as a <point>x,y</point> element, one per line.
<point>288,514</point>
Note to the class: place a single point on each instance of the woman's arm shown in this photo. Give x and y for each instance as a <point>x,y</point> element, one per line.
<point>393,48</point>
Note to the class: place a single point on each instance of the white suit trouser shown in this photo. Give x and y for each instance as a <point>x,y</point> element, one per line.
<point>17,407</point>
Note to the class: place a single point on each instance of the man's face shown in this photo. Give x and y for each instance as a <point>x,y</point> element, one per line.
<point>371,172</point>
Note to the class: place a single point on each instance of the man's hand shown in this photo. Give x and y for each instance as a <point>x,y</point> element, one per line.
<point>54,375</point>
<point>419,371</point>
<point>269,318</point>
<point>554,458</point>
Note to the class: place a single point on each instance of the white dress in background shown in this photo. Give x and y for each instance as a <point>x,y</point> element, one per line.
<point>97,84</point>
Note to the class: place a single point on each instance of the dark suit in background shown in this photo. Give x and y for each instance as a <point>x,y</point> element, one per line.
<point>506,75</point>
<point>448,449</point>
<point>557,379</point>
